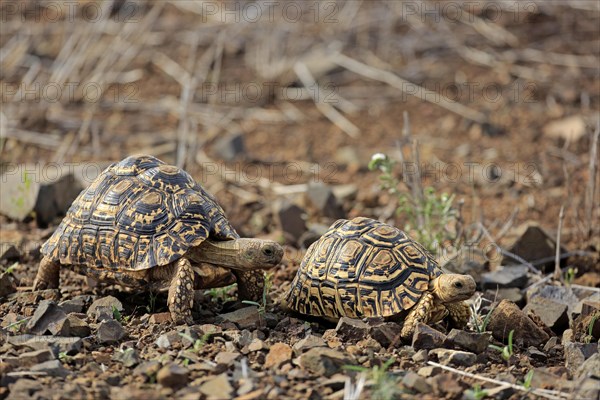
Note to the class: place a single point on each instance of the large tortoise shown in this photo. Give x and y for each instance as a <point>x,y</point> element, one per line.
<point>145,224</point>
<point>365,268</point>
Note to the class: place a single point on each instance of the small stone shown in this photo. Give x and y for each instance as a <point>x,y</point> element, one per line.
<point>324,361</point>
<point>217,387</point>
<point>278,354</point>
<point>128,357</point>
<point>429,371</point>
<point>74,305</point>
<point>420,356</point>
<point>552,313</point>
<point>416,383</point>
<point>226,357</point>
<point>577,353</point>
<point>471,341</point>
<point>52,368</point>
<point>553,341</point>
<point>8,252</point>
<point>35,357</point>
<point>160,318</point>
<point>352,330</point>
<point>244,318</point>
<point>506,317</point>
<point>590,367</point>
<point>240,338</point>
<point>7,284</point>
<point>531,242</point>
<point>331,338</point>
<point>47,314</point>
<point>535,354</point>
<point>172,376</point>
<point>257,345</point>
<point>505,277</point>
<point>387,333</point>
<point>103,304</point>
<point>322,198</point>
<point>167,340</point>
<point>567,337</point>
<point>230,147</point>
<point>425,337</point>
<point>73,326</point>
<point>454,357</point>
<point>512,294</point>
<point>307,343</point>
<point>147,369</point>
<point>110,331</point>
<point>290,219</point>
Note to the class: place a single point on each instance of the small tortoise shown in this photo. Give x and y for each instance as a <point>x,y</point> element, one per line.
<point>145,224</point>
<point>365,268</point>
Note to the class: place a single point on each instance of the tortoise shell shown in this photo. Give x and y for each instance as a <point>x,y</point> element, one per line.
<point>137,214</point>
<point>361,268</point>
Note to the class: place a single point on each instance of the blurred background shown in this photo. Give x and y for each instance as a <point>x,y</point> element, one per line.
<point>278,107</point>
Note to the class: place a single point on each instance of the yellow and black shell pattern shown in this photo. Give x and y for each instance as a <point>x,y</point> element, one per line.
<point>361,268</point>
<point>137,214</point>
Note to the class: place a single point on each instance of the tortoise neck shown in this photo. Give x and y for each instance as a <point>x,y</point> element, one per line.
<point>224,253</point>
<point>436,290</point>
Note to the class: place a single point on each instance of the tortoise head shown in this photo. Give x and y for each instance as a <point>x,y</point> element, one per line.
<point>449,288</point>
<point>242,254</point>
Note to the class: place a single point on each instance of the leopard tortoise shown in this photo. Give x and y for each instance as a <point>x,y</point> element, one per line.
<point>365,268</point>
<point>145,224</point>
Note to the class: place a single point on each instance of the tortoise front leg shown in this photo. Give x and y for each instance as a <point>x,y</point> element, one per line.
<point>181,292</point>
<point>47,276</point>
<point>250,285</point>
<point>420,313</point>
<point>459,313</point>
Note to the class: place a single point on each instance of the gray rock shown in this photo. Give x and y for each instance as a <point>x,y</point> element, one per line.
<point>535,354</point>
<point>512,294</point>
<point>167,340</point>
<point>226,357</point>
<point>230,147</point>
<point>46,316</point>
<point>416,383</point>
<point>147,369</point>
<point>425,337</point>
<point>506,317</point>
<point>307,343</point>
<point>74,305</point>
<point>429,371</point>
<point>420,356</point>
<point>322,198</point>
<point>471,341</point>
<point>52,368</point>
<point>20,187</point>
<point>7,284</point>
<point>552,313</point>
<point>23,388</point>
<point>104,305</point>
<point>172,376</point>
<point>324,361</point>
<point>386,333</point>
<point>35,357</point>
<point>351,330</point>
<point>505,277</point>
<point>240,338</point>
<point>577,353</point>
<point>257,345</point>
<point>590,367</point>
<point>72,326</point>
<point>454,357</point>
<point>553,341</point>
<point>290,219</point>
<point>568,336</point>
<point>217,387</point>
<point>128,357</point>
<point>55,197</point>
<point>244,318</point>
<point>531,242</point>
<point>110,331</point>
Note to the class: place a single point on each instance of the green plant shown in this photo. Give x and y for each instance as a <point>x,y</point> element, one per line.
<point>476,393</point>
<point>590,329</point>
<point>480,323</point>
<point>507,351</point>
<point>16,325</point>
<point>64,357</point>
<point>570,275</point>
<point>220,293</point>
<point>19,201</point>
<point>384,384</point>
<point>198,343</point>
<point>150,308</point>
<point>117,314</point>
<point>12,268</point>
<point>527,379</point>
<point>428,214</point>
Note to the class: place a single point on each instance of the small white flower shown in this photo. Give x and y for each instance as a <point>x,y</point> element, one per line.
<point>378,157</point>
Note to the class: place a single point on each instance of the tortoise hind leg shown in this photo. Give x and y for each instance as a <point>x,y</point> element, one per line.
<point>420,313</point>
<point>47,276</point>
<point>181,292</point>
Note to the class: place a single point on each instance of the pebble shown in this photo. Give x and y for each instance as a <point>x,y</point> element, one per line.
<point>386,333</point>
<point>7,284</point>
<point>505,277</point>
<point>110,331</point>
<point>217,387</point>
<point>506,317</point>
<point>279,353</point>
<point>322,198</point>
<point>52,368</point>
<point>420,356</point>
<point>229,147</point>
<point>244,318</point>
<point>128,357</point>
<point>257,345</point>
<point>160,318</point>
<point>324,361</point>
<point>552,313</point>
<point>425,337</point>
<point>290,218</point>
<point>535,354</point>
<point>172,376</point>
<point>35,357</point>
<point>45,318</point>
<point>454,357</point>
<point>471,341</point>
<point>352,330</point>
<point>226,357</point>
<point>415,382</point>
<point>103,304</point>
<point>307,343</point>
<point>429,371</point>
<point>72,326</point>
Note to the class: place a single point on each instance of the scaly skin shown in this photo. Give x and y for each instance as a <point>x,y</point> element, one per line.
<point>181,292</point>
<point>420,313</point>
<point>47,276</point>
<point>459,313</point>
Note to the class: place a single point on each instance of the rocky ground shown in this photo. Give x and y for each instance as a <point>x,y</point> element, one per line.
<point>518,156</point>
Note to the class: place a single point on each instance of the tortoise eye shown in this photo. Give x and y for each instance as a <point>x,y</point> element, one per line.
<point>458,285</point>
<point>267,251</point>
